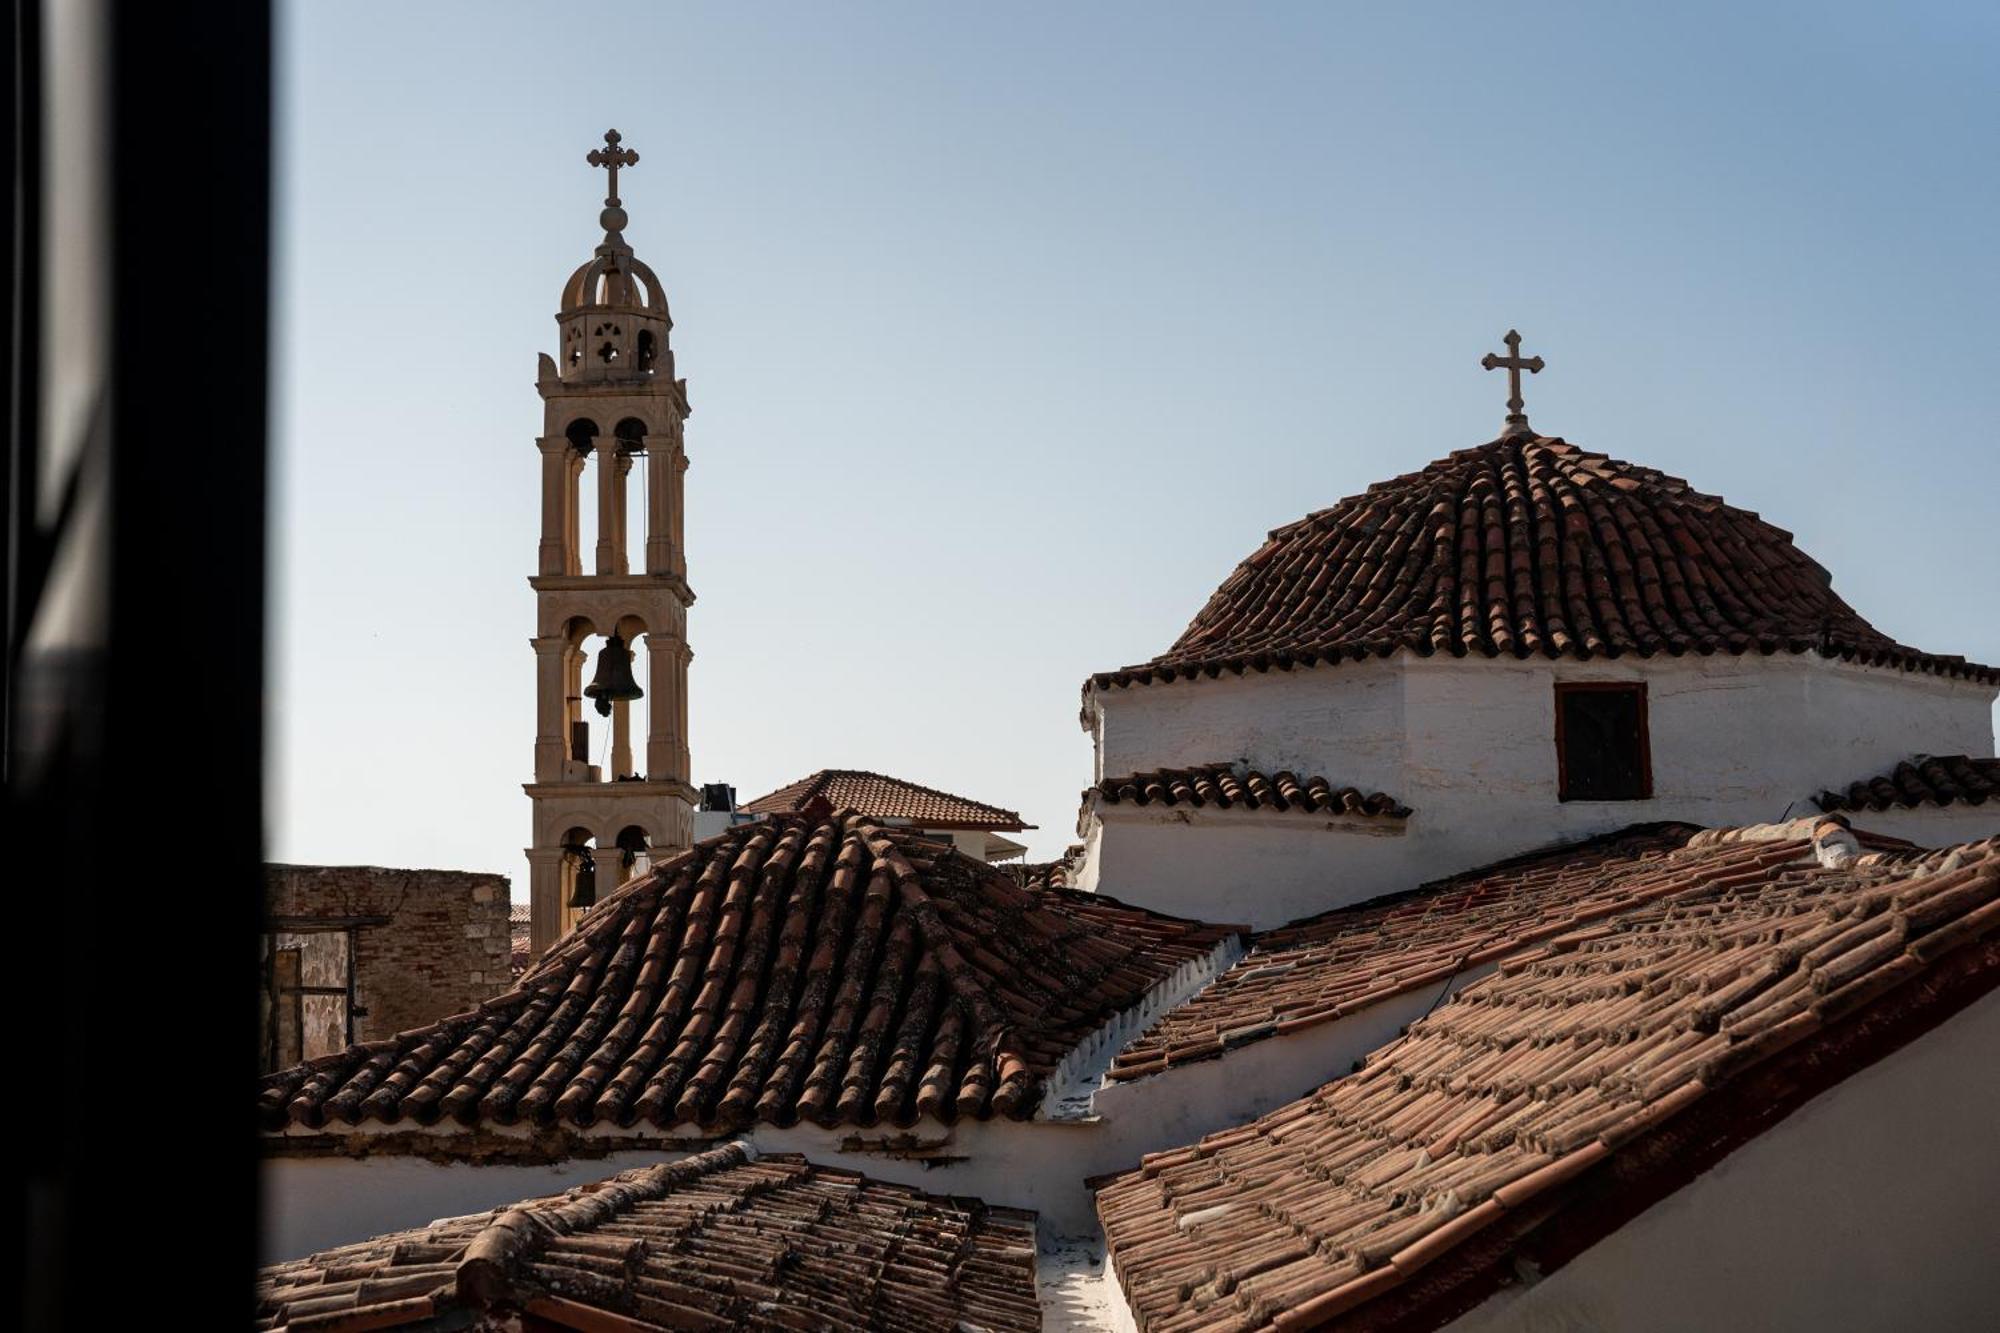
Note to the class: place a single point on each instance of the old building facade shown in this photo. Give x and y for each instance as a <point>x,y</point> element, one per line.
<point>353,953</point>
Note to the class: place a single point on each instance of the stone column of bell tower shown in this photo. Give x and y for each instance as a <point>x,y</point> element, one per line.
<point>613,414</point>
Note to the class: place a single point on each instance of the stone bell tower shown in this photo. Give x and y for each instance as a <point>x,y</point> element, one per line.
<point>611,408</point>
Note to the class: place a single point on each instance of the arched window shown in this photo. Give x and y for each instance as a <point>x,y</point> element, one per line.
<point>634,852</point>
<point>582,434</point>
<point>647,351</point>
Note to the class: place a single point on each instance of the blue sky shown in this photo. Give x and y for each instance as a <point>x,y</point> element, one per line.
<point>1010,331</point>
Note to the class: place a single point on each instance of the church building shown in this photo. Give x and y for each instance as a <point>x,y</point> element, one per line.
<point>1522,643</point>
<point>1526,896</point>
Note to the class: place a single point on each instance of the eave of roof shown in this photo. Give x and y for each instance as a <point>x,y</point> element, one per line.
<point>1225,786</point>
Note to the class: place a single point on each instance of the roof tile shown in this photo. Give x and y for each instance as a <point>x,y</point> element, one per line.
<point>881,797</point>
<point>1538,1073</point>
<point>1229,786</point>
<point>1327,966</point>
<point>831,970</point>
<point>718,1240</point>
<point>1526,546</point>
<point>1939,780</point>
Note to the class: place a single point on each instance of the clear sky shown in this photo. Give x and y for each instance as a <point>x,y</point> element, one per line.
<point>1009,330</point>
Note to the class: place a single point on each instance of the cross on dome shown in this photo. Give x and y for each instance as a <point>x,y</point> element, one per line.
<point>1513,363</point>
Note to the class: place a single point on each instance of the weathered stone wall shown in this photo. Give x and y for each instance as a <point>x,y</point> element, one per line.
<point>443,949</point>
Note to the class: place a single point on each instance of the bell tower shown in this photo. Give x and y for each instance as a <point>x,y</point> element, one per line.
<point>612,420</point>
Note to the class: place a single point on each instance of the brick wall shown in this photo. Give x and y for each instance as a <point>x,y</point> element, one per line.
<point>443,949</point>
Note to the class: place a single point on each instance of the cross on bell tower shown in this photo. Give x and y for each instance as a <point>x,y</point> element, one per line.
<point>611,157</point>
<point>611,407</point>
<point>1513,363</point>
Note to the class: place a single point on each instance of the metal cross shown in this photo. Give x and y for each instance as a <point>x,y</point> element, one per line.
<point>1514,363</point>
<point>611,157</point>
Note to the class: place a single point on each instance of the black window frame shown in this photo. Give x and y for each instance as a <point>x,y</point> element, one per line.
<point>1636,689</point>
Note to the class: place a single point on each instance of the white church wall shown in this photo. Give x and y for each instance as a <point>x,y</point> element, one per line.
<point>1344,722</point>
<point>1242,866</point>
<point>1469,745</point>
<point>1855,1212</point>
<point>1734,740</point>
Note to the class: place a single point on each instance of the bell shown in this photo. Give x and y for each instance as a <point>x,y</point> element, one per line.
<point>584,894</point>
<point>613,679</point>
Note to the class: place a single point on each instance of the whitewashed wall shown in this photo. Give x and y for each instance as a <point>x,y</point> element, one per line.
<point>1469,745</point>
<point>1870,1207</point>
<point>1241,867</point>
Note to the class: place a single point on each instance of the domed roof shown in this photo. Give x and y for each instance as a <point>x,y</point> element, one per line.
<point>614,279</point>
<point>1525,547</point>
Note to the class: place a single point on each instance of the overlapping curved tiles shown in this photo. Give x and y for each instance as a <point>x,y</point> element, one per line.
<point>1222,786</point>
<point>1532,1076</point>
<point>794,969</point>
<point>1044,875</point>
<point>880,796</point>
<point>715,1241</point>
<point>1340,962</point>
<point>1525,547</point>
<point>1936,780</point>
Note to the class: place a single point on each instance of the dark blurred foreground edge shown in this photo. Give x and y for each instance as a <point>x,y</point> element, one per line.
<point>137,287</point>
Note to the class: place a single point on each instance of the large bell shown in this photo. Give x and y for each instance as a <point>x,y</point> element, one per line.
<point>613,679</point>
<point>584,892</point>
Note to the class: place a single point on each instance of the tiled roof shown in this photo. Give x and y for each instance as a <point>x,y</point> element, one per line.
<point>1679,1028</point>
<point>1222,786</point>
<point>520,947</point>
<point>715,1241</point>
<point>881,797</point>
<point>1045,875</point>
<point>1339,962</point>
<point>1523,547</point>
<point>1946,779</point>
<point>829,970</point>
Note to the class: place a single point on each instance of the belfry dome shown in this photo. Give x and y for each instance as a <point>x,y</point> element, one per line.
<point>614,279</point>
<point>1526,547</point>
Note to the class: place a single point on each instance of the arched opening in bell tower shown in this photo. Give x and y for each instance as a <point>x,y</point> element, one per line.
<point>580,519</point>
<point>635,854</point>
<point>605,736</point>
<point>636,492</point>
<point>579,882</point>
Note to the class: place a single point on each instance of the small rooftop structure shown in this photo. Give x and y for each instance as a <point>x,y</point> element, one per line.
<point>974,825</point>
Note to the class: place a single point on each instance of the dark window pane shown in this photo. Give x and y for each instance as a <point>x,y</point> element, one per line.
<point>1603,755</point>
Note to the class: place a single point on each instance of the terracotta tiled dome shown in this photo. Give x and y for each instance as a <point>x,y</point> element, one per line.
<point>1527,546</point>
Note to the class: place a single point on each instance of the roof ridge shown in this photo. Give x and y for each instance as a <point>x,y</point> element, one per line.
<point>493,1258</point>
